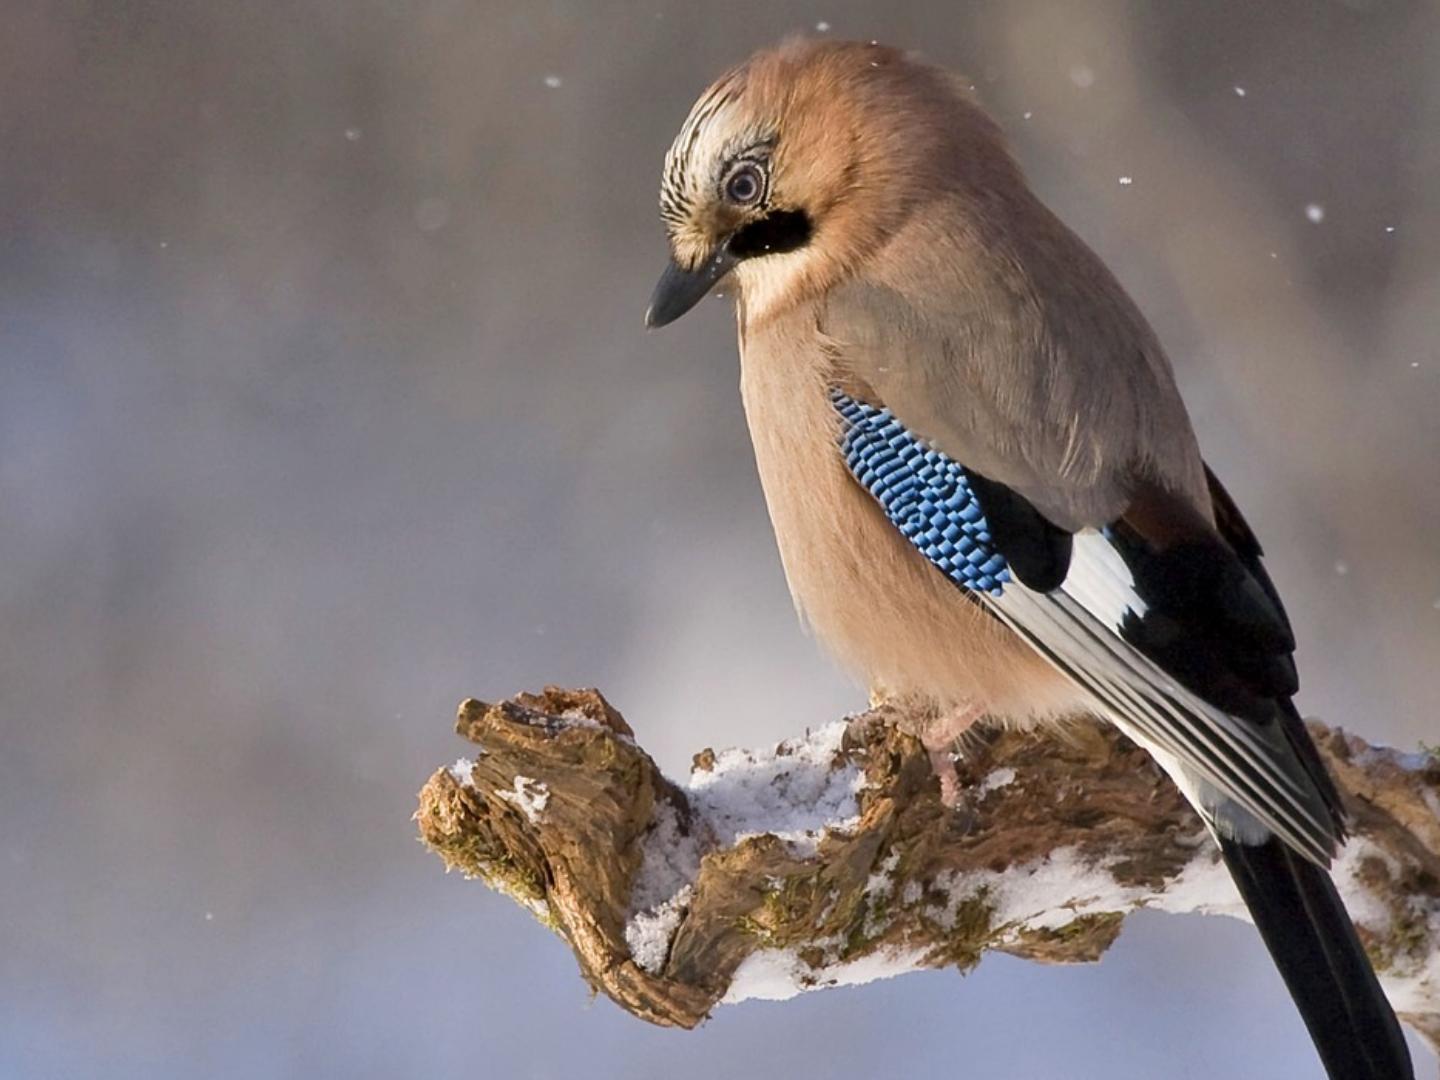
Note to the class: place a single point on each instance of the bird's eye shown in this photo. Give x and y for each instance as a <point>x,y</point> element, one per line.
<point>745,185</point>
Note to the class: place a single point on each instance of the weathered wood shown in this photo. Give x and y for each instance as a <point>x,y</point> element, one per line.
<point>676,899</point>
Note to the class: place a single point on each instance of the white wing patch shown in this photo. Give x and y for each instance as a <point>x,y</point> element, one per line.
<point>1100,582</point>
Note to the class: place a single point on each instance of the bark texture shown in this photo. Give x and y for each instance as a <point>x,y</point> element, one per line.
<point>832,859</point>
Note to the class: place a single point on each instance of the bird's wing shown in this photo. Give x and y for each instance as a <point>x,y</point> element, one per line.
<point>1153,613</point>
<point>1061,398</point>
<point>1236,532</point>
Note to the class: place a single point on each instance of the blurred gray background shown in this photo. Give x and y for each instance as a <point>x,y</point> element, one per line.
<point>325,402</point>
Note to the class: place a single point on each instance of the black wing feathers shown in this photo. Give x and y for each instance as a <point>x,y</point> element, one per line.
<point>1037,552</point>
<point>1238,535</point>
<point>1203,626</point>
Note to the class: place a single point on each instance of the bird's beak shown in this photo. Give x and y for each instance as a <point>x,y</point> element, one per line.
<point>679,290</point>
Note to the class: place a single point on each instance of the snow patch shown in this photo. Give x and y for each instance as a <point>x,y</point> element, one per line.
<point>1054,891</point>
<point>463,772</point>
<point>648,933</point>
<point>997,779</point>
<point>1043,895</point>
<point>670,860</point>
<point>792,793</point>
<point>779,974</point>
<point>880,884</point>
<point>1204,887</point>
<point>531,796</point>
<point>580,718</point>
<point>1364,908</point>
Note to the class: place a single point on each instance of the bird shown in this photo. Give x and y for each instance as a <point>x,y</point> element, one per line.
<point>988,497</point>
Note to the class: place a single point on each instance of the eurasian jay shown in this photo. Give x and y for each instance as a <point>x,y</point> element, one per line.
<point>987,494</point>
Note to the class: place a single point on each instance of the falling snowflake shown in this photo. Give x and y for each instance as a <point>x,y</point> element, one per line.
<point>1126,181</point>
<point>1082,76</point>
<point>1315,213</point>
<point>554,82</point>
<point>1239,91</point>
<point>822,26</point>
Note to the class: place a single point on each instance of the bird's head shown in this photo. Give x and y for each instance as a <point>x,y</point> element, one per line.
<point>795,167</point>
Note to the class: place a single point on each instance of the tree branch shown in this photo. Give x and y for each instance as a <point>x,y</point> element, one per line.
<point>832,860</point>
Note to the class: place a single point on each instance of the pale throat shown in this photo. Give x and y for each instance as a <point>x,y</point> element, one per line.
<point>770,283</point>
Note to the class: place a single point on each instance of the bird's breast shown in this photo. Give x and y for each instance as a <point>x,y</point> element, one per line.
<point>873,599</point>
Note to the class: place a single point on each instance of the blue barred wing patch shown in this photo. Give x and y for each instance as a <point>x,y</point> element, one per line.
<point>926,495</point>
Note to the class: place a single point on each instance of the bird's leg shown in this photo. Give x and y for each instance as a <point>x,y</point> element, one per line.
<point>940,738</point>
<point>939,730</point>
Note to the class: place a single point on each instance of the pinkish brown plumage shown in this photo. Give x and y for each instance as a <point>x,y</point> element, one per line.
<point>910,188</point>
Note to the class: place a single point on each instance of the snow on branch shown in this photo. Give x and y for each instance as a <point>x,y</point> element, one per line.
<point>831,860</point>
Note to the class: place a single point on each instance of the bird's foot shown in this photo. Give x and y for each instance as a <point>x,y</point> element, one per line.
<point>939,731</point>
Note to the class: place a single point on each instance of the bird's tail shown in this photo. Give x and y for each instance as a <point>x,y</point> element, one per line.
<point>1305,926</point>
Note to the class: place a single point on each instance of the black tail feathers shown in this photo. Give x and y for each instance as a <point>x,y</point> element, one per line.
<point>1304,924</point>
